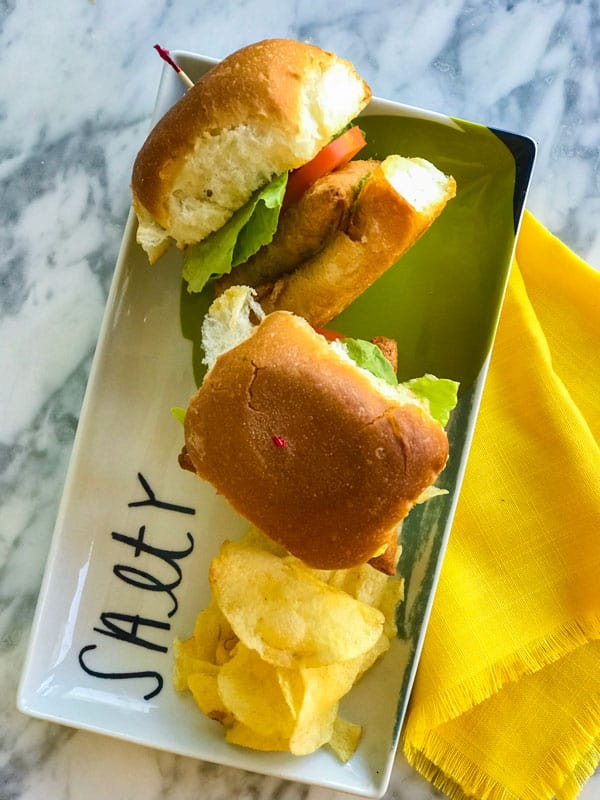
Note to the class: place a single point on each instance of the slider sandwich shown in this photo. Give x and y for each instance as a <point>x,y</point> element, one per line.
<point>250,175</point>
<point>314,442</point>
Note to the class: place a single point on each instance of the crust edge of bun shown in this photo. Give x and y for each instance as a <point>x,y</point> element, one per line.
<point>267,86</point>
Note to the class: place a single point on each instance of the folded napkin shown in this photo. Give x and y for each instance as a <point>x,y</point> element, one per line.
<point>506,702</point>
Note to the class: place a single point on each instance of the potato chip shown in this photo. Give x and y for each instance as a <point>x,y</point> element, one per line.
<point>290,618</point>
<point>363,582</point>
<point>213,635</point>
<point>186,662</point>
<point>188,648</point>
<point>292,688</point>
<point>323,575</point>
<point>393,594</point>
<point>345,738</point>
<point>276,708</point>
<point>314,728</point>
<point>249,688</point>
<point>317,695</point>
<point>317,705</point>
<point>204,689</point>
<point>241,735</point>
<point>312,694</point>
<point>370,586</point>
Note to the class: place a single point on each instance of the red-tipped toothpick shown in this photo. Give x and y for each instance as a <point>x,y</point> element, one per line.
<point>166,56</point>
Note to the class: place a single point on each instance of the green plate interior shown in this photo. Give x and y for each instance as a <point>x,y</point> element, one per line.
<point>442,299</point>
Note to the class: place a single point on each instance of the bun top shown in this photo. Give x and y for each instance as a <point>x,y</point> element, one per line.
<point>303,445</point>
<point>265,109</point>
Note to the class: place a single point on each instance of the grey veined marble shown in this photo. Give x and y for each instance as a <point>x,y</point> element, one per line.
<point>78,84</point>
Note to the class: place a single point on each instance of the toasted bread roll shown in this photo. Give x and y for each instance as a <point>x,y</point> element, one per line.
<point>323,460</point>
<point>395,206</point>
<point>265,109</point>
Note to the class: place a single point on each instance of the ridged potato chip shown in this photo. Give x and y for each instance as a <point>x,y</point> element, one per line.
<point>278,608</point>
<point>187,662</point>
<point>213,635</point>
<point>250,689</point>
<point>203,684</point>
<point>345,738</point>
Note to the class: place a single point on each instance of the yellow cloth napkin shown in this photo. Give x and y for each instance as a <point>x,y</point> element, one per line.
<point>506,703</point>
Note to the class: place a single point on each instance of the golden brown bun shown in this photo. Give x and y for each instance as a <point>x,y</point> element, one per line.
<point>383,225</point>
<point>263,110</point>
<point>300,443</point>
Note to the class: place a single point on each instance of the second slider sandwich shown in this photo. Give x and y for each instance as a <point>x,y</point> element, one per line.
<point>320,453</point>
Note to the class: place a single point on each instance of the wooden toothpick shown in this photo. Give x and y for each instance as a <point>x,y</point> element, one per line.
<point>166,56</point>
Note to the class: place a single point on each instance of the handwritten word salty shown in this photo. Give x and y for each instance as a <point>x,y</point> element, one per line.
<point>135,629</point>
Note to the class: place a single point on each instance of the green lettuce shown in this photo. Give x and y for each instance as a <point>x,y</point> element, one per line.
<point>369,357</point>
<point>441,393</point>
<point>178,413</point>
<point>251,227</point>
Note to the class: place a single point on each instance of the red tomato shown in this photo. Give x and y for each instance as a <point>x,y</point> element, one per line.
<point>332,156</point>
<point>331,336</point>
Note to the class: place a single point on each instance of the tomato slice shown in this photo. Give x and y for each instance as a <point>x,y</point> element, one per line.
<point>333,155</point>
<point>331,336</point>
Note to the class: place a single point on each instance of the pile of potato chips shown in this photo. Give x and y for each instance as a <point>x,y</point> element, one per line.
<point>280,644</point>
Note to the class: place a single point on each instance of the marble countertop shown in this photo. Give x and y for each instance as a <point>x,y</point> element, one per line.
<point>78,89</point>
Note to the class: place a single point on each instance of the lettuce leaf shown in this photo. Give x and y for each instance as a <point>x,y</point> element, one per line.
<point>440,392</point>
<point>178,413</point>
<point>369,357</point>
<point>252,226</point>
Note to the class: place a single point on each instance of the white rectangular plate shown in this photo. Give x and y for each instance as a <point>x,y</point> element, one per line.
<point>127,569</point>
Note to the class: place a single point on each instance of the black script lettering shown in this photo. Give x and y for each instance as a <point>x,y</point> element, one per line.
<point>140,546</point>
<point>117,676</point>
<point>130,634</point>
<point>145,580</point>
<point>148,582</point>
<point>151,500</point>
<point>133,628</point>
